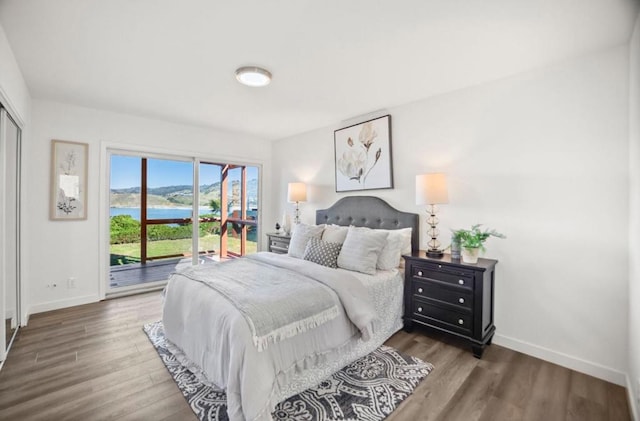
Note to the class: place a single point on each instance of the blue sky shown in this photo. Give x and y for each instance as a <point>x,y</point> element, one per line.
<point>125,172</point>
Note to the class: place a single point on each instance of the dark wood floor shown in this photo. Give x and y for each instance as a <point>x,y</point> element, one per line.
<point>93,362</point>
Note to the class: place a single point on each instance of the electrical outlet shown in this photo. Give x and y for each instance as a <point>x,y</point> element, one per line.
<point>71,282</point>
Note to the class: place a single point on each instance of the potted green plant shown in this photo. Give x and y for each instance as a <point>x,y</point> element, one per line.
<point>472,241</point>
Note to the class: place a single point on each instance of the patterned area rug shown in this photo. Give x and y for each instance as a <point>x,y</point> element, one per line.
<point>368,389</point>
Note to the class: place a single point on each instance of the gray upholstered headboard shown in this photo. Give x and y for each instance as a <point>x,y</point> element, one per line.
<point>372,212</point>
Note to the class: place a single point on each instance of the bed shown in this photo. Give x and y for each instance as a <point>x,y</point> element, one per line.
<point>209,333</point>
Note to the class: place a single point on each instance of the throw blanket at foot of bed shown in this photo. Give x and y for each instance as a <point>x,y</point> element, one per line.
<point>280,298</point>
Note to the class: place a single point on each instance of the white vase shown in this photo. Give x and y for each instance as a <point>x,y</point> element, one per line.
<point>286,223</point>
<point>470,255</point>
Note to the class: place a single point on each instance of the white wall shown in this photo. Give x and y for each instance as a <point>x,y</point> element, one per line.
<point>634,221</point>
<point>57,250</point>
<point>541,157</point>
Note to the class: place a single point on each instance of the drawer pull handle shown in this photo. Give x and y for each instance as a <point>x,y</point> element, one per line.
<point>460,321</point>
<point>461,300</point>
<point>439,266</point>
<point>419,273</point>
<point>419,309</point>
<point>461,281</point>
<point>420,290</point>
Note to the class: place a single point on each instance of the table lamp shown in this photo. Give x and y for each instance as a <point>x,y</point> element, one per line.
<point>297,193</point>
<point>431,190</point>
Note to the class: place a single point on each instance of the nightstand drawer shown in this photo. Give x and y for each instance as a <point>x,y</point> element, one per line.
<point>462,280</point>
<point>448,319</point>
<point>279,244</point>
<point>452,270</point>
<point>460,297</point>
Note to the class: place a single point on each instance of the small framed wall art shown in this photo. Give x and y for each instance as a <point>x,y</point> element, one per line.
<point>68,180</point>
<point>363,156</point>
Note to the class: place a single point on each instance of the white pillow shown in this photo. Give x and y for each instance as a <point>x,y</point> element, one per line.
<point>335,233</point>
<point>300,236</point>
<point>361,249</point>
<point>398,243</point>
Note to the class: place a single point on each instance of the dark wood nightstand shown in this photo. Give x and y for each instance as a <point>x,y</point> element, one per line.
<point>451,296</point>
<point>279,243</point>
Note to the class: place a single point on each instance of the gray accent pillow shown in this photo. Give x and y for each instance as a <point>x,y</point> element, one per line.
<point>361,249</point>
<point>322,252</point>
<point>300,237</point>
<point>335,233</point>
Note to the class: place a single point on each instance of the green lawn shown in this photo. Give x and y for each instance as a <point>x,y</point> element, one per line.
<point>130,252</point>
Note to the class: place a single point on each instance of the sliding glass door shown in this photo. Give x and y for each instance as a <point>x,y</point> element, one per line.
<point>168,212</point>
<point>10,142</point>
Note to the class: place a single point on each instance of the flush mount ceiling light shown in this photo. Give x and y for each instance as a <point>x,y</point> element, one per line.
<point>253,76</point>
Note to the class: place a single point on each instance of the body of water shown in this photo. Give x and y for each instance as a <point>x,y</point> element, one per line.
<point>158,213</point>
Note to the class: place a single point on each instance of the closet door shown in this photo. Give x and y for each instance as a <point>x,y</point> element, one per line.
<point>9,203</point>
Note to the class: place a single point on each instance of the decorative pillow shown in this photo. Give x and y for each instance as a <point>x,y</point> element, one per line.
<point>361,249</point>
<point>398,243</point>
<point>322,252</point>
<point>335,233</point>
<point>300,237</point>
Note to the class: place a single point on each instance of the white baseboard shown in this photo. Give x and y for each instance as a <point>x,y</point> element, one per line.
<point>587,367</point>
<point>633,405</point>
<point>67,302</point>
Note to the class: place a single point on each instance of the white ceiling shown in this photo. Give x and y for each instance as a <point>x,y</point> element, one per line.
<point>332,60</point>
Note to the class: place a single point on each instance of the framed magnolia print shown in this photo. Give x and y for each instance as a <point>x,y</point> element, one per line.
<point>68,180</point>
<point>363,156</point>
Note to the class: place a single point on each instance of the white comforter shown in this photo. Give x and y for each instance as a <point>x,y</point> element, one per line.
<point>213,338</point>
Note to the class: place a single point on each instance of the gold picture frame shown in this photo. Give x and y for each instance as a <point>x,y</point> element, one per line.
<point>69,161</point>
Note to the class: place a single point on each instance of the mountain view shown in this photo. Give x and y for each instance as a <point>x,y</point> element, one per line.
<point>181,196</point>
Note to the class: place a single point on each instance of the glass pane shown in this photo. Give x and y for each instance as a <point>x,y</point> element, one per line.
<point>209,188</point>
<point>209,238</point>
<point>234,192</point>
<point>233,237</point>
<point>252,209</point>
<point>169,189</point>
<point>252,239</point>
<point>124,209</point>
<point>209,208</point>
<point>169,241</point>
<point>11,141</point>
<point>125,240</point>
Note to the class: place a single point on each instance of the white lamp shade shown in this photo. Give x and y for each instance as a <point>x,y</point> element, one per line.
<point>297,192</point>
<point>431,189</point>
